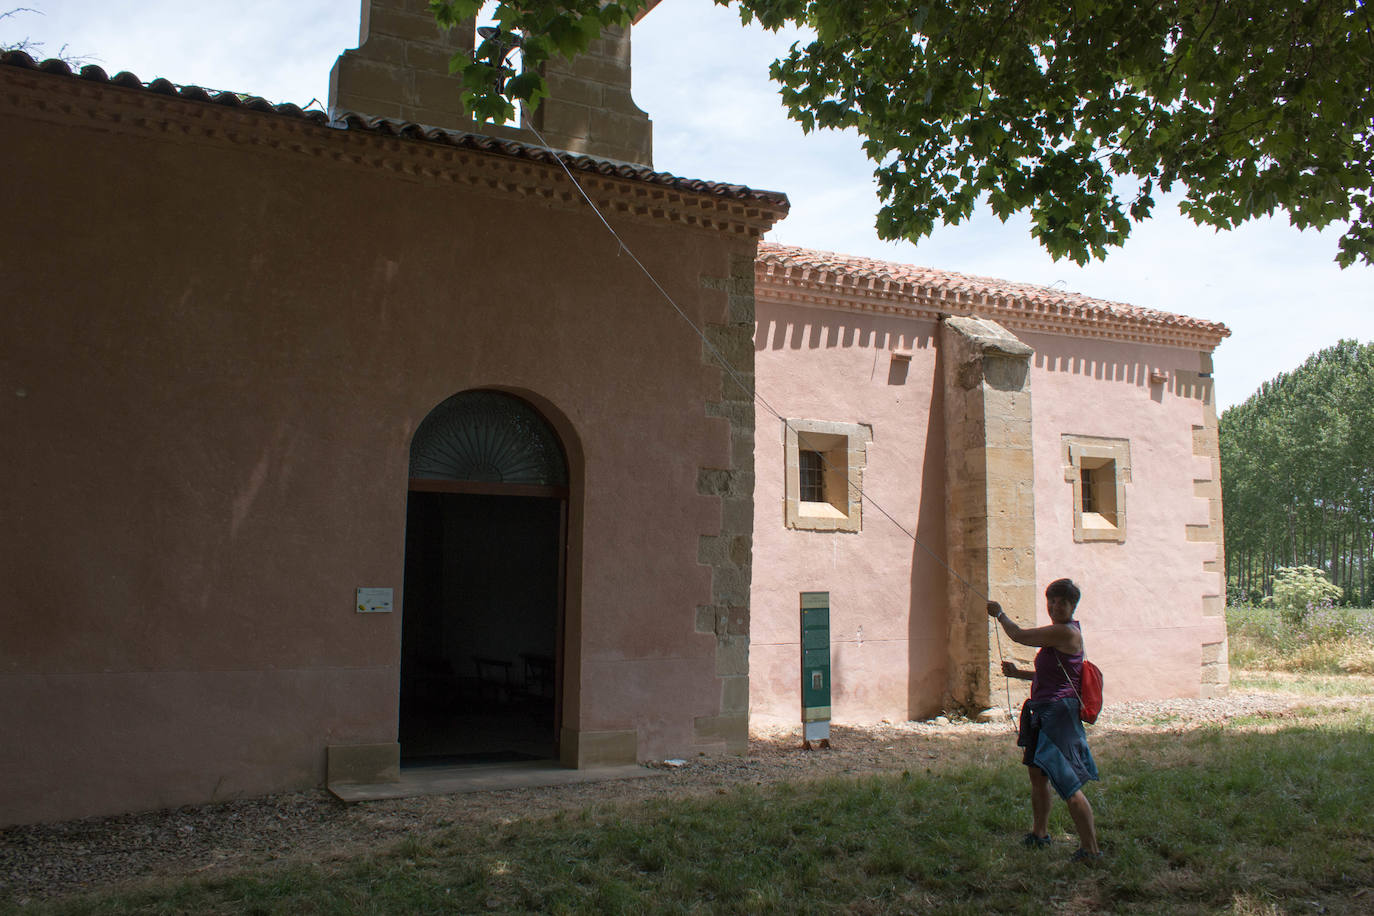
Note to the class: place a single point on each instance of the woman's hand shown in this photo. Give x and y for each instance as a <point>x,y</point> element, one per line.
<point>1009,669</point>
<point>994,609</point>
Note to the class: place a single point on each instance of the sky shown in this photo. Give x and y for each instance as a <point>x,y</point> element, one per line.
<point>703,79</point>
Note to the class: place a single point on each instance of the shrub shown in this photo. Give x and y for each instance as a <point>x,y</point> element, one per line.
<point>1300,589</point>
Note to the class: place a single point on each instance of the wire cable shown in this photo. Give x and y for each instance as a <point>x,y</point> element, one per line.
<point>752,391</point>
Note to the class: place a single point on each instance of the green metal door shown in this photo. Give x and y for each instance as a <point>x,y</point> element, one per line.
<point>815,666</point>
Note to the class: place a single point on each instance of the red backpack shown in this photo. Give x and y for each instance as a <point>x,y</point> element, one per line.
<point>1090,693</point>
<point>1090,698</point>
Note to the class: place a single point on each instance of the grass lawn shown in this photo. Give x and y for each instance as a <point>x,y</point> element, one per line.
<point>1264,815</point>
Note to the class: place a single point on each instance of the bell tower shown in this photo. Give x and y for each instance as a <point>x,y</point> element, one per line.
<point>400,70</point>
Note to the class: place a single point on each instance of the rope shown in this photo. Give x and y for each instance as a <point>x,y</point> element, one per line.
<point>1011,716</point>
<point>753,393</point>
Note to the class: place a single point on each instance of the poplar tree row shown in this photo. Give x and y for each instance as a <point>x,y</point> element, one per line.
<point>1297,466</point>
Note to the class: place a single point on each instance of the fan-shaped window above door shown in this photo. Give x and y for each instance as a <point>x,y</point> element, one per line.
<point>488,437</point>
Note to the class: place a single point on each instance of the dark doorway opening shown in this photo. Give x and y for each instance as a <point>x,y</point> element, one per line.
<point>483,599</point>
<point>480,628</point>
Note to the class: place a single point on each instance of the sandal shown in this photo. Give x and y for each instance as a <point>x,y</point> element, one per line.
<point>1082,855</point>
<point>1031,841</point>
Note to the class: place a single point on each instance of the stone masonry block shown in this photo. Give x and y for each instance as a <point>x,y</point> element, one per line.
<point>568,88</point>
<point>707,615</point>
<point>385,49</point>
<point>741,484</point>
<point>410,26</point>
<point>610,748</point>
<point>419,7</point>
<point>740,309</point>
<point>1009,405</point>
<point>452,117</point>
<point>1009,463</point>
<point>1011,565</point>
<point>730,586</point>
<point>435,91</point>
<point>734,696</point>
<point>618,100</point>
<point>969,501</point>
<point>713,481</point>
<point>711,550</point>
<point>737,620</point>
<point>732,729</point>
<point>363,763</point>
<point>741,550</point>
<point>742,449</point>
<point>429,57</point>
<point>602,70</point>
<point>732,657</point>
<point>564,119</point>
<point>742,268</point>
<point>737,412</point>
<point>1014,497</point>
<point>737,385</point>
<point>1015,533</point>
<point>736,515</point>
<point>360,78</point>
<point>1009,432</point>
<point>733,342</point>
<point>1005,375</point>
<point>973,460</point>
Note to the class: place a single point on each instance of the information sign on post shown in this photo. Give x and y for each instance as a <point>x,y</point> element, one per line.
<point>815,668</point>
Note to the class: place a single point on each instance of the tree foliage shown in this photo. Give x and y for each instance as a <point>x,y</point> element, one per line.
<point>1077,113</point>
<point>1297,465</point>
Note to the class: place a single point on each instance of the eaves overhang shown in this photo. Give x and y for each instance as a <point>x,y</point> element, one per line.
<point>787,273</point>
<point>50,90</point>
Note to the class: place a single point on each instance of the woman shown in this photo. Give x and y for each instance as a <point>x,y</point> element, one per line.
<point>1056,749</point>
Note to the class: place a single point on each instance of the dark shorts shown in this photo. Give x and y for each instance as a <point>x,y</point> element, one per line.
<point>1054,741</point>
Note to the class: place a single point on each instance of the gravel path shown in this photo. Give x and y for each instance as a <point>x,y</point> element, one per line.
<point>52,860</point>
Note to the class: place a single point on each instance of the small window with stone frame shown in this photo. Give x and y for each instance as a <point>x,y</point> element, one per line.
<point>1099,468</point>
<point>825,462</point>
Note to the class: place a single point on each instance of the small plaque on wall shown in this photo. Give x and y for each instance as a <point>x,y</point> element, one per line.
<point>374,601</point>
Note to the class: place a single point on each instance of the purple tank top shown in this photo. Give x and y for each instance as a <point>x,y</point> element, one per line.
<point>1049,682</point>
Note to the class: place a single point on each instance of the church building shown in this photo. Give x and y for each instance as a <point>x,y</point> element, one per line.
<point>344,443</point>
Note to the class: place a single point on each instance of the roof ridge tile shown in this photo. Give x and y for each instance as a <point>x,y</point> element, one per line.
<point>828,268</point>
<point>410,130</point>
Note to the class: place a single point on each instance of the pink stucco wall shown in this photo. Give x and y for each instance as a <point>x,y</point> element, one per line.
<point>216,351</point>
<point>1142,611</point>
<point>887,596</point>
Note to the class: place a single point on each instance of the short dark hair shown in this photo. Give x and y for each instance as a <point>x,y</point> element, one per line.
<point>1064,588</point>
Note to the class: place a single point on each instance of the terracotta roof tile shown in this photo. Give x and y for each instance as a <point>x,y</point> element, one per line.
<point>408,130</point>
<point>939,291</point>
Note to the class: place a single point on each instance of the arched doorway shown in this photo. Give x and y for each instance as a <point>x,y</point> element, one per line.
<point>483,599</point>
